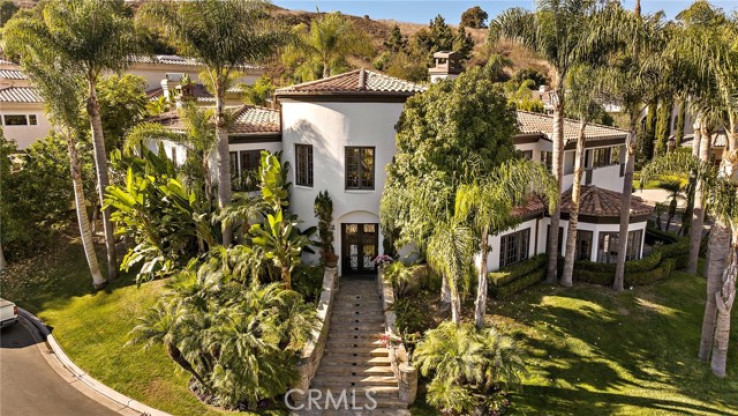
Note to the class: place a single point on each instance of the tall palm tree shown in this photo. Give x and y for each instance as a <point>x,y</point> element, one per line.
<point>60,88</point>
<point>583,82</point>
<point>94,36</point>
<point>629,39</point>
<point>224,35</point>
<point>555,31</point>
<point>488,204</point>
<point>674,189</point>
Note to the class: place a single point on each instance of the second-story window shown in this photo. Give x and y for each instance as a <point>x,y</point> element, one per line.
<point>600,157</point>
<point>359,168</point>
<point>304,159</point>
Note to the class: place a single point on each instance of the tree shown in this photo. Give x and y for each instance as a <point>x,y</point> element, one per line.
<point>396,42</point>
<point>94,36</point>
<point>681,118</point>
<point>60,88</point>
<point>474,17</point>
<point>223,35</point>
<point>488,204</point>
<point>584,84</point>
<point>629,42</point>
<point>463,43</point>
<point>674,189</point>
<point>556,31</point>
<point>663,126</point>
<point>122,105</point>
<point>260,92</point>
<point>330,39</point>
<point>448,136</point>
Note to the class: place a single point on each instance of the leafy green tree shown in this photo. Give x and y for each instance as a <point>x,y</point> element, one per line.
<point>556,30</point>
<point>122,105</point>
<point>681,119</point>
<point>469,368</point>
<point>663,127</point>
<point>223,35</point>
<point>463,43</point>
<point>534,74</point>
<point>396,42</point>
<point>95,36</point>
<point>648,133</point>
<point>453,134</point>
<point>474,17</point>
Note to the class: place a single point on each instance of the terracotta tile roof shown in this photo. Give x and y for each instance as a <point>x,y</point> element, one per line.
<point>542,123</point>
<point>534,207</point>
<point>359,81</point>
<point>603,203</point>
<point>15,74</point>
<point>20,95</point>
<point>155,93</point>
<point>203,95</point>
<point>247,119</point>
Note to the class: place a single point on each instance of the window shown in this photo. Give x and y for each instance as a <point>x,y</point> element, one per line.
<point>359,168</point>
<point>607,251</point>
<point>15,120</point>
<point>514,247</point>
<point>615,156</point>
<point>32,120</point>
<point>233,157</point>
<point>600,157</point>
<point>304,158</point>
<point>246,177</point>
<point>528,154</point>
<point>547,159</point>
<point>584,245</point>
<point>561,237</point>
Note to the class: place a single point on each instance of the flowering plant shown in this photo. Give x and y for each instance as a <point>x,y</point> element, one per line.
<point>383,260</point>
<point>390,340</point>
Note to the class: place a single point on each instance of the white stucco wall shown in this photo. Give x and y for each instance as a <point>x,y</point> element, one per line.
<point>330,127</point>
<point>24,136</point>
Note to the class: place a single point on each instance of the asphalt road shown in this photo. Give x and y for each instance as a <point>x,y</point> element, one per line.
<point>30,387</point>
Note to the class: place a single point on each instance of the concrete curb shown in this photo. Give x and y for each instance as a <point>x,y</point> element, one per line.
<point>125,402</point>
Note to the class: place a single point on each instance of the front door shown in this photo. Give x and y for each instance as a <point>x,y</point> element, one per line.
<point>359,248</point>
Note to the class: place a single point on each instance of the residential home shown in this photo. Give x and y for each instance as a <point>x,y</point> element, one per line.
<point>338,135</point>
<point>21,108</point>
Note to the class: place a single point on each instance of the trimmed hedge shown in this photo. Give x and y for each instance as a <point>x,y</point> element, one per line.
<point>519,276</point>
<point>657,265</point>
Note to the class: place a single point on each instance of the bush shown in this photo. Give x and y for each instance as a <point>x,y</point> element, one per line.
<point>509,280</point>
<point>308,281</point>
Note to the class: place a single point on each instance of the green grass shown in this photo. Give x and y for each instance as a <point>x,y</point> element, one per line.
<point>93,328</point>
<point>593,352</point>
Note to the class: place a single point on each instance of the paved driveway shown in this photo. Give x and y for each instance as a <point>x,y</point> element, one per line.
<point>29,386</point>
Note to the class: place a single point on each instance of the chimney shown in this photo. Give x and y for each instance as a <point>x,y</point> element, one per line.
<point>447,66</point>
<point>169,85</point>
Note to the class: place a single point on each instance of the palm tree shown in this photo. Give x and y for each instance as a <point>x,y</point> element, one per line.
<point>94,36</point>
<point>224,35</point>
<point>631,77</point>
<point>450,249</point>
<point>332,37</point>
<point>555,31</point>
<point>583,81</point>
<point>488,204</point>
<point>59,86</point>
<point>674,189</point>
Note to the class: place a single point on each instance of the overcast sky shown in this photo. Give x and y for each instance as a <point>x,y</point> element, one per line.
<point>423,11</point>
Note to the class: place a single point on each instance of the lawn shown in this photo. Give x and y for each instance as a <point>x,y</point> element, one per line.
<point>93,328</point>
<point>590,351</point>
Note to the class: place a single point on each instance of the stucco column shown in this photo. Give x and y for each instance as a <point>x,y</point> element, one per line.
<point>408,383</point>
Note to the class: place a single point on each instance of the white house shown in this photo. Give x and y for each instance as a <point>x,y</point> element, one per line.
<point>338,135</point>
<point>21,108</point>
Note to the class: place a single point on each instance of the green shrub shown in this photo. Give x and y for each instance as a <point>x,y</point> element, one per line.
<point>509,280</point>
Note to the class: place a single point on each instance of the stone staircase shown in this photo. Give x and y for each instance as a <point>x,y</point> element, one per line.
<point>354,359</point>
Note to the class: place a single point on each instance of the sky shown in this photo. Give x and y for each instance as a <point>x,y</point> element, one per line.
<point>417,11</point>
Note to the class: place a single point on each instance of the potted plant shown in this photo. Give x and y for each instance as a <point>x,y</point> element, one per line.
<point>324,213</point>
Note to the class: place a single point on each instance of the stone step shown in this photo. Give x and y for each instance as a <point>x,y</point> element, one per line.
<point>376,352</point>
<point>349,314</point>
<point>349,359</point>
<point>355,370</point>
<point>351,344</point>
<point>350,336</point>
<point>362,309</point>
<point>352,327</point>
<point>355,381</point>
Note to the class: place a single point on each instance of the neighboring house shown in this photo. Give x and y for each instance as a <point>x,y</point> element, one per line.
<point>154,68</point>
<point>21,108</point>
<point>338,134</point>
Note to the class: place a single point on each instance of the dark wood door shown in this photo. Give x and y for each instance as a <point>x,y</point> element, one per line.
<point>359,248</point>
